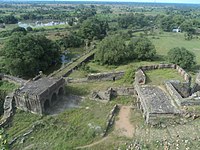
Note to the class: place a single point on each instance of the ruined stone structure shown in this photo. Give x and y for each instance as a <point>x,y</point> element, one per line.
<point>37,96</point>
<point>157,103</point>
<point>112,92</point>
<point>8,109</point>
<point>12,79</point>
<point>96,77</point>
<point>107,76</point>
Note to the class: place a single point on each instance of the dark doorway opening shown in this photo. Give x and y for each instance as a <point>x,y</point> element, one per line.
<point>46,105</point>
<point>61,92</point>
<point>54,98</point>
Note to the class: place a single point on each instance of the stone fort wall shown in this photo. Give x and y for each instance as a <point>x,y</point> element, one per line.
<point>140,72</point>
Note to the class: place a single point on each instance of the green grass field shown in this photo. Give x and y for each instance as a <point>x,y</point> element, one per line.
<point>164,42</point>
<point>157,77</point>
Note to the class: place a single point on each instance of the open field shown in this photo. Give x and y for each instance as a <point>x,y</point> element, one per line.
<point>164,42</point>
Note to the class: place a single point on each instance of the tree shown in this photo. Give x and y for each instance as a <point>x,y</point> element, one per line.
<point>29,29</point>
<point>181,57</point>
<point>10,19</point>
<point>26,55</point>
<point>93,28</point>
<point>111,50</point>
<point>134,21</point>
<point>19,29</point>
<point>141,49</point>
<point>71,40</point>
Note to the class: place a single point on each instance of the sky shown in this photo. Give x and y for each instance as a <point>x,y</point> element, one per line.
<point>158,1</point>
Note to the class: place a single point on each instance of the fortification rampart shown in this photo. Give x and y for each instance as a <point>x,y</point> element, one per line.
<point>13,79</point>
<point>140,72</point>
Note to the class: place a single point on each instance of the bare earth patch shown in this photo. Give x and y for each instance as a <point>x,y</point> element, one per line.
<point>123,126</point>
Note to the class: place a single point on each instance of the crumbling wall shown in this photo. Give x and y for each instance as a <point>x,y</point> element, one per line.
<point>155,119</point>
<point>8,109</point>
<point>102,95</point>
<point>107,76</point>
<point>110,119</point>
<point>12,79</point>
<point>123,91</point>
<point>112,92</point>
<point>140,77</point>
<point>180,70</point>
<point>173,92</point>
<point>182,88</point>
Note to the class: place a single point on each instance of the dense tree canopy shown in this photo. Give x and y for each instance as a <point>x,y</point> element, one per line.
<point>141,49</point>
<point>93,28</point>
<point>10,19</point>
<point>182,57</point>
<point>111,50</point>
<point>19,29</point>
<point>25,55</point>
<point>134,21</point>
<point>71,40</point>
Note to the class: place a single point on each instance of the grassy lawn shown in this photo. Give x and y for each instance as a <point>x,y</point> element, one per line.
<point>157,77</point>
<point>166,41</point>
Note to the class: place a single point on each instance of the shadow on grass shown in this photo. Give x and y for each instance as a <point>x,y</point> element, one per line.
<point>80,91</point>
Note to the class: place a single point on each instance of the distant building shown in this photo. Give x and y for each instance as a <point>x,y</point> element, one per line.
<point>176,30</point>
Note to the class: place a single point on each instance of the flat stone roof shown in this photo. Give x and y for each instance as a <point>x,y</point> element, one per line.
<point>36,87</point>
<point>157,101</point>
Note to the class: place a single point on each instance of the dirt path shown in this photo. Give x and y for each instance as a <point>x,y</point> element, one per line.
<point>93,144</point>
<point>123,125</point>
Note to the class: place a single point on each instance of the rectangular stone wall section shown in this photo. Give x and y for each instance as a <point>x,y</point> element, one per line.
<point>180,70</point>
<point>174,94</point>
<point>110,76</point>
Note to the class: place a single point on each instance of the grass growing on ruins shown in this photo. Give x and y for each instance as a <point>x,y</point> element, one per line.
<point>7,86</point>
<point>74,127</point>
<point>157,77</point>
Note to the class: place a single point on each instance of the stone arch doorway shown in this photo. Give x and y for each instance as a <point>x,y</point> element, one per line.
<point>46,105</point>
<point>53,98</point>
<point>61,91</point>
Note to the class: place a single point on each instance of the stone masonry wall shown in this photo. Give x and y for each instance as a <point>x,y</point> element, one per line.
<point>107,76</point>
<point>172,91</point>
<point>8,109</point>
<point>13,79</point>
<point>180,70</point>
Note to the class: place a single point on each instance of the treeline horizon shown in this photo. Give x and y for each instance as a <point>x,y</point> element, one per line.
<point>153,4</point>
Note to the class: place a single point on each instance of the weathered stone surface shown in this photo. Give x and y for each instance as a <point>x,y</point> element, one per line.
<point>13,79</point>
<point>107,76</point>
<point>156,100</point>
<point>112,92</point>
<point>153,101</point>
<point>140,77</point>
<point>36,96</point>
<point>8,109</point>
